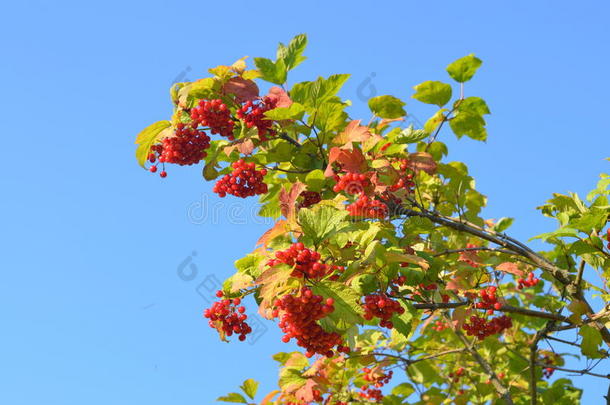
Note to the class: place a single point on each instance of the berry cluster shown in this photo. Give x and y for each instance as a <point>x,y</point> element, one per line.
<point>186,147</point>
<point>481,328</point>
<point>309,198</point>
<point>306,262</point>
<point>405,181</point>
<point>383,307</point>
<point>439,326</point>
<point>244,181</point>
<point>489,300</point>
<point>377,380</point>
<point>530,281</point>
<point>228,317</point>
<point>457,375</point>
<point>253,115</point>
<point>352,183</point>
<point>396,283</point>
<point>366,207</point>
<point>215,115</point>
<point>298,319</point>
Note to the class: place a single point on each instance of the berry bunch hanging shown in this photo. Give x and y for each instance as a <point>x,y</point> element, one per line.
<point>306,262</point>
<point>481,328</point>
<point>244,181</point>
<point>376,380</point>
<point>405,179</point>
<point>352,183</point>
<point>298,320</point>
<point>253,115</point>
<point>187,147</point>
<point>215,115</point>
<point>489,300</point>
<point>530,281</point>
<point>382,307</point>
<point>309,198</point>
<point>365,207</point>
<point>228,317</point>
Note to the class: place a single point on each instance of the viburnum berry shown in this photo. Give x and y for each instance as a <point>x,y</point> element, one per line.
<point>439,326</point>
<point>187,146</point>
<point>366,207</point>
<point>489,300</point>
<point>530,281</point>
<point>309,198</point>
<point>153,169</point>
<point>163,174</point>
<point>376,379</point>
<point>215,115</point>
<point>253,115</point>
<point>306,262</point>
<point>352,183</point>
<point>457,375</point>
<point>405,180</point>
<point>244,181</point>
<point>298,320</point>
<point>481,328</point>
<point>228,317</point>
<point>383,307</point>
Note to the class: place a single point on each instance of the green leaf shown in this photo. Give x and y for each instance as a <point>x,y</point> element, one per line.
<point>233,397</point>
<point>274,72</point>
<point>292,55</point>
<point>410,135</point>
<point>503,224</point>
<point>464,68</point>
<point>469,124</point>
<point>291,379</point>
<point>321,221</point>
<point>387,107</point>
<point>473,104</point>
<point>404,389</point>
<point>433,92</point>
<point>402,323</point>
<point>330,116</point>
<point>347,308</point>
<point>313,94</point>
<point>591,340</point>
<point>250,387</point>
<point>147,138</point>
<point>294,112</point>
<point>315,180</point>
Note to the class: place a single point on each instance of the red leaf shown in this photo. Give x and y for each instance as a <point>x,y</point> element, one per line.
<point>422,161</point>
<point>511,268</point>
<point>288,200</point>
<point>354,132</point>
<point>243,89</point>
<point>277,93</point>
<point>350,161</point>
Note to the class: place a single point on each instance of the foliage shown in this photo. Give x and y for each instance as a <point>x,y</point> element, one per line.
<point>371,218</point>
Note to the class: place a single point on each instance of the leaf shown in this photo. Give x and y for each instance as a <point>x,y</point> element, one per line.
<point>404,389</point>
<point>280,96</point>
<point>294,112</point>
<point>274,72</point>
<point>469,124</point>
<point>321,221</point>
<point>148,137</point>
<point>354,132</point>
<point>503,224</point>
<point>292,55</point>
<point>398,257</point>
<point>269,397</point>
<point>233,397</point>
<point>410,135</point>
<point>288,200</point>
<point>278,229</point>
<point>591,340</point>
<point>433,92</point>
<point>315,180</point>
<point>350,161</point>
<point>305,392</point>
<point>244,90</point>
<point>291,380</point>
<point>403,323</point>
<point>250,387</point>
<point>313,94</point>
<point>464,68</point>
<point>511,268</point>
<point>388,107</point>
<point>422,161</point>
<point>347,308</point>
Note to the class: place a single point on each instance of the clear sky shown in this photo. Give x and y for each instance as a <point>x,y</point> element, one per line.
<point>92,305</point>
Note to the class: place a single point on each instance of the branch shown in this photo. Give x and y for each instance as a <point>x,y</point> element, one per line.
<point>285,137</point>
<point>533,356</point>
<point>581,372</point>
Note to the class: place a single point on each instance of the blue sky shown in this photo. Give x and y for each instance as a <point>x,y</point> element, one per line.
<point>93,308</point>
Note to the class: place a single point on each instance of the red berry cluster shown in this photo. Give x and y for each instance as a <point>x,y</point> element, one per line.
<point>366,207</point>
<point>306,262</point>
<point>458,373</point>
<point>254,116</point>
<point>383,307</point>
<point>186,147</point>
<point>309,198</point>
<point>215,115</point>
<point>530,281</point>
<point>352,183</point>
<point>228,317</point>
<point>377,381</point>
<point>397,282</point>
<point>481,328</point>
<point>405,181</point>
<point>298,320</point>
<point>244,181</point>
<point>439,326</point>
<point>489,300</point>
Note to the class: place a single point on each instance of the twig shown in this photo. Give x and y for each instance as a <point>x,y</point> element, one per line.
<point>285,137</point>
<point>581,372</point>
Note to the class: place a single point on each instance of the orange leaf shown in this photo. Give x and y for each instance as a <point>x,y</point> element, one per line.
<point>278,229</point>
<point>305,393</point>
<point>511,268</point>
<point>283,99</point>
<point>243,146</point>
<point>354,132</point>
<point>269,397</point>
<point>288,200</point>
<point>349,160</point>
<point>422,161</point>
<point>244,90</point>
